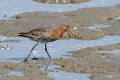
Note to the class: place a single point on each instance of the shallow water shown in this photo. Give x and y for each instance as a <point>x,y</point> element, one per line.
<point>19,50</point>
<point>12,73</point>
<point>62,75</point>
<point>15,73</point>
<point>104,25</point>
<point>99,27</point>
<point>114,51</point>
<point>9,8</point>
<point>117,18</point>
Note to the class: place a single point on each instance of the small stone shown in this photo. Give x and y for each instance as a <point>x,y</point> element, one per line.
<point>75,28</point>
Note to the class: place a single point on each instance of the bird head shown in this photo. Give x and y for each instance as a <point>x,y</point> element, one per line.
<point>65,27</point>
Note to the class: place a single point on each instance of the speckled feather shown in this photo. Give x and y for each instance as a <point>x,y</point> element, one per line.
<point>45,34</point>
<point>40,34</point>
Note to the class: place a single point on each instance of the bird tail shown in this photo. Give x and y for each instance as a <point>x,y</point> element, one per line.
<point>22,34</point>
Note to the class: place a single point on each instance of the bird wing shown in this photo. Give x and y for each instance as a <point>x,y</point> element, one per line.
<point>41,32</point>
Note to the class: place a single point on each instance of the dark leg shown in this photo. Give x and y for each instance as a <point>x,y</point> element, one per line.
<point>31,52</point>
<point>34,58</point>
<point>47,51</point>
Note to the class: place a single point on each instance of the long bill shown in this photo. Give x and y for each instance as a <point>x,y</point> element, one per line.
<point>73,33</point>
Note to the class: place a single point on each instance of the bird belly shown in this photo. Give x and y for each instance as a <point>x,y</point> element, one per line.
<point>42,40</point>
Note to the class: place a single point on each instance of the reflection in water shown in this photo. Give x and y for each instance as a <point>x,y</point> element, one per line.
<point>61,1</point>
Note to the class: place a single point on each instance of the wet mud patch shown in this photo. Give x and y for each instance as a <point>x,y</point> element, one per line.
<point>25,71</point>
<point>57,49</point>
<point>91,61</point>
<point>114,28</point>
<point>100,65</point>
<point>60,75</point>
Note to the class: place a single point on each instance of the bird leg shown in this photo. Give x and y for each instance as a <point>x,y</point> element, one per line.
<point>34,58</point>
<point>47,51</point>
<point>30,52</point>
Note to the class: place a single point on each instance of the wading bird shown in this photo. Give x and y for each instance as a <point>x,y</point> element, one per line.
<point>45,35</point>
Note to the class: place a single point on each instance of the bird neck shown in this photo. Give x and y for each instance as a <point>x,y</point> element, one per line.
<point>57,33</point>
<point>60,29</point>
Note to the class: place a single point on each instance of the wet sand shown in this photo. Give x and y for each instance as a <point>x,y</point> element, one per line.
<point>90,60</point>
<point>86,60</point>
<point>31,71</point>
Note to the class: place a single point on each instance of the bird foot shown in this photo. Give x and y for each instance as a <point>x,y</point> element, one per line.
<point>34,58</point>
<point>25,60</point>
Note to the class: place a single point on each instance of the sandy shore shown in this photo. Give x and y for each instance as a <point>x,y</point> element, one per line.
<point>31,70</point>
<point>87,61</point>
<point>91,61</point>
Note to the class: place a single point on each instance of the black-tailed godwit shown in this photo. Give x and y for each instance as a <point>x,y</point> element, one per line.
<point>45,35</point>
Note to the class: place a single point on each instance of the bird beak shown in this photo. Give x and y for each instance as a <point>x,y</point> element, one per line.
<point>73,33</point>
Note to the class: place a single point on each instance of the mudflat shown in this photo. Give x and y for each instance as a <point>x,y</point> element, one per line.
<point>87,60</point>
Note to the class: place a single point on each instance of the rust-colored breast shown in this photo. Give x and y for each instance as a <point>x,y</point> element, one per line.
<point>56,34</point>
